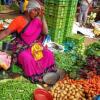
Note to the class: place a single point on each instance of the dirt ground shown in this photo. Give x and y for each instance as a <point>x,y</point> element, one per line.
<point>9,15</point>
<point>90,40</point>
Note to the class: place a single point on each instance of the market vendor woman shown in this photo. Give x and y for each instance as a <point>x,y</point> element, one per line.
<point>33,64</point>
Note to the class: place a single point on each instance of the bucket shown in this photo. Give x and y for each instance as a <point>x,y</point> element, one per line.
<point>41,94</point>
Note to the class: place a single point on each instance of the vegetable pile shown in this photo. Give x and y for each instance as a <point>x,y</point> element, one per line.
<point>2,8</point>
<point>83,89</point>
<point>93,49</point>
<point>66,90</point>
<point>91,86</point>
<point>92,66</point>
<point>71,62</point>
<point>16,89</point>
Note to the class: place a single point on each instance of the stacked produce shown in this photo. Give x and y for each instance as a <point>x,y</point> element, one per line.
<point>1,26</point>
<point>18,89</point>
<point>92,67</point>
<point>80,49</point>
<point>73,58</point>
<point>2,8</point>
<point>67,90</point>
<point>91,19</point>
<point>91,86</point>
<point>96,29</point>
<point>93,49</point>
<point>71,62</point>
<point>75,43</point>
<point>84,89</point>
<point>14,6</point>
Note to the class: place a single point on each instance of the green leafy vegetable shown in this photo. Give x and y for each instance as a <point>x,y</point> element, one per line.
<point>93,49</point>
<point>16,90</point>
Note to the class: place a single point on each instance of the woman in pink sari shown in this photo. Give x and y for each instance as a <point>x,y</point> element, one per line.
<point>34,16</point>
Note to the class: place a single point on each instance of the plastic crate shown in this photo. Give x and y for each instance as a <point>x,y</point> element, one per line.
<point>60,15</point>
<point>75,37</point>
<point>56,35</point>
<point>58,2</point>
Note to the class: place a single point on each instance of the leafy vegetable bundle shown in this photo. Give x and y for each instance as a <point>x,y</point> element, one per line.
<point>93,49</point>
<point>70,62</point>
<point>16,90</point>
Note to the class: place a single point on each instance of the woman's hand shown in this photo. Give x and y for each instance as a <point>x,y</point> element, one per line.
<point>40,12</point>
<point>5,60</point>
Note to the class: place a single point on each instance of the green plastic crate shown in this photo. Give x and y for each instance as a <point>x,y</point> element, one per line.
<point>78,38</point>
<point>60,15</point>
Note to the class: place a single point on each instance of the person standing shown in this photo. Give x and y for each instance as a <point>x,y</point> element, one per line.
<point>84,9</point>
<point>95,3</point>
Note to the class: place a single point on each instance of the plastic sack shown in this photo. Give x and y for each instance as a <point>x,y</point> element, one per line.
<point>5,60</point>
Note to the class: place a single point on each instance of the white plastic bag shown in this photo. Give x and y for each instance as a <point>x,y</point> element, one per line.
<point>5,60</point>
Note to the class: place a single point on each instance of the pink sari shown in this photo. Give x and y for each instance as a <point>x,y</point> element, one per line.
<point>29,65</point>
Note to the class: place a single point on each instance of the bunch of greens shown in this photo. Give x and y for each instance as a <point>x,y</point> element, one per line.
<point>74,43</point>
<point>7,39</point>
<point>93,49</point>
<point>16,90</point>
<point>71,62</point>
<point>2,8</point>
<point>80,49</point>
<point>14,6</point>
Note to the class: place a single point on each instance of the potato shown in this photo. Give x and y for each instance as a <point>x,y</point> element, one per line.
<point>58,88</point>
<point>54,99</point>
<point>55,95</point>
<point>77,95</point>
<point>83,98</point>
<point>58,95</point>
<point>66,89</point>
<point>62,94</point>
<point>76,90</point>
<point>72,97</point>
<point>60,98</point>
<point>68,95</point>
<point>65,81</point>
<point>65,97</point>
<point>45,85</point>
<point>65,92</point>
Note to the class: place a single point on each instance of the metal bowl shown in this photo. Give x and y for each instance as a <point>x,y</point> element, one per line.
<point>61,73</point>
<point>51,78</point>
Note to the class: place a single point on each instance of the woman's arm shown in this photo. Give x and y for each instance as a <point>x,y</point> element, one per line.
<point>4,34</point>
<point>45,27</point>
<point>14,25</point>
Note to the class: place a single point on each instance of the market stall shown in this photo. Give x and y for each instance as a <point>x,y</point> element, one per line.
<point>77,62</point>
